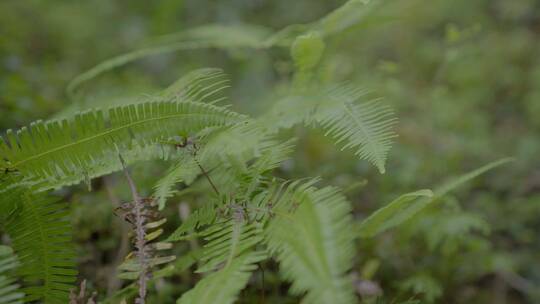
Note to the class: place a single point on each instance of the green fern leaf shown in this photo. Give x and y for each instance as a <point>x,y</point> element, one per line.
<point>224,285</point>
<point>227,154</point>
<point>389,215</point>
<point>315,247</point>
<point>201,85</point>
<point>404,209</point>
<point>226,241</point>
<point>41,234</point>
<point>9,290</point>
<point>365,126</point>
<point>202,217</point>
<point>67,152</point>
<point>184,170</point>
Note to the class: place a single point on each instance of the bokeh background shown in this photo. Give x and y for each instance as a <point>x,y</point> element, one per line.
<point>463,77</point>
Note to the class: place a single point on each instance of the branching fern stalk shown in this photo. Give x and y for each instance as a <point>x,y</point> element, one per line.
<point>143,220</point>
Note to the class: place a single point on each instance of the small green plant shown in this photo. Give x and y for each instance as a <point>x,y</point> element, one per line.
<point>244,213</point>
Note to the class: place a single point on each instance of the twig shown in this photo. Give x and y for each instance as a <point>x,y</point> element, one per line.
<point>207,177</point>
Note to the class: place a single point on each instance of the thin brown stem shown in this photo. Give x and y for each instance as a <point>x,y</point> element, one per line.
<point>140,235</point>
<point>207,177</point>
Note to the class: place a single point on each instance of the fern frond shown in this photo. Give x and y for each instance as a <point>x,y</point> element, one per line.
<point>9,291</point>
<point>273,155</point>
<point>67,152</point>
<point>228,154</point>
<point>184,170</point>
<point>225,241</point>
<point>201,217</point>
<point>201,85</point>
<point>364,126</point>
<point>314,247</point>
<point>41,234</point>
<point>224,285</point>
<point>389,215</point>
<point>403,209</point>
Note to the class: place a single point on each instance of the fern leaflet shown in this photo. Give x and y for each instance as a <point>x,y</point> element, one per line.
<point>9,290</point>
<point>41,234</point>
<point>314,247</point>
<point>223,286</point>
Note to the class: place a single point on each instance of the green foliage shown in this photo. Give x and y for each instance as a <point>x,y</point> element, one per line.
<point>68,151</point>
<point>407,206</point>
<point>307,51</point>
<point>9,290</point>
<point>314,246</point>
<point>223,286</point>
<point>424,285</point>
<point>362,125</point>
<point>228,183</point>
<point>41,234</point>
<point>366,127</point>
<point>230,37</point>
<point>389,216</point>
<point>226,241</point>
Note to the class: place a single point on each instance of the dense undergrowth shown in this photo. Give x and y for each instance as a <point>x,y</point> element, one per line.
<point>156,179</point>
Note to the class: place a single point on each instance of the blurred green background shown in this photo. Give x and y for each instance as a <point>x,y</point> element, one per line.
<point>463,77</point>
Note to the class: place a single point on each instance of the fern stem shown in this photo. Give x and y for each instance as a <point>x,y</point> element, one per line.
<point>207,177</point>
<point>140,236</point>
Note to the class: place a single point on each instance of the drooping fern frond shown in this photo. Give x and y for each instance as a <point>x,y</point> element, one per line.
<point>68,151</point>
<point>366,126</point>
<point>41,235</point>
<point>314,247</point>
<point>224,285</point>
<point>9,289</point>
